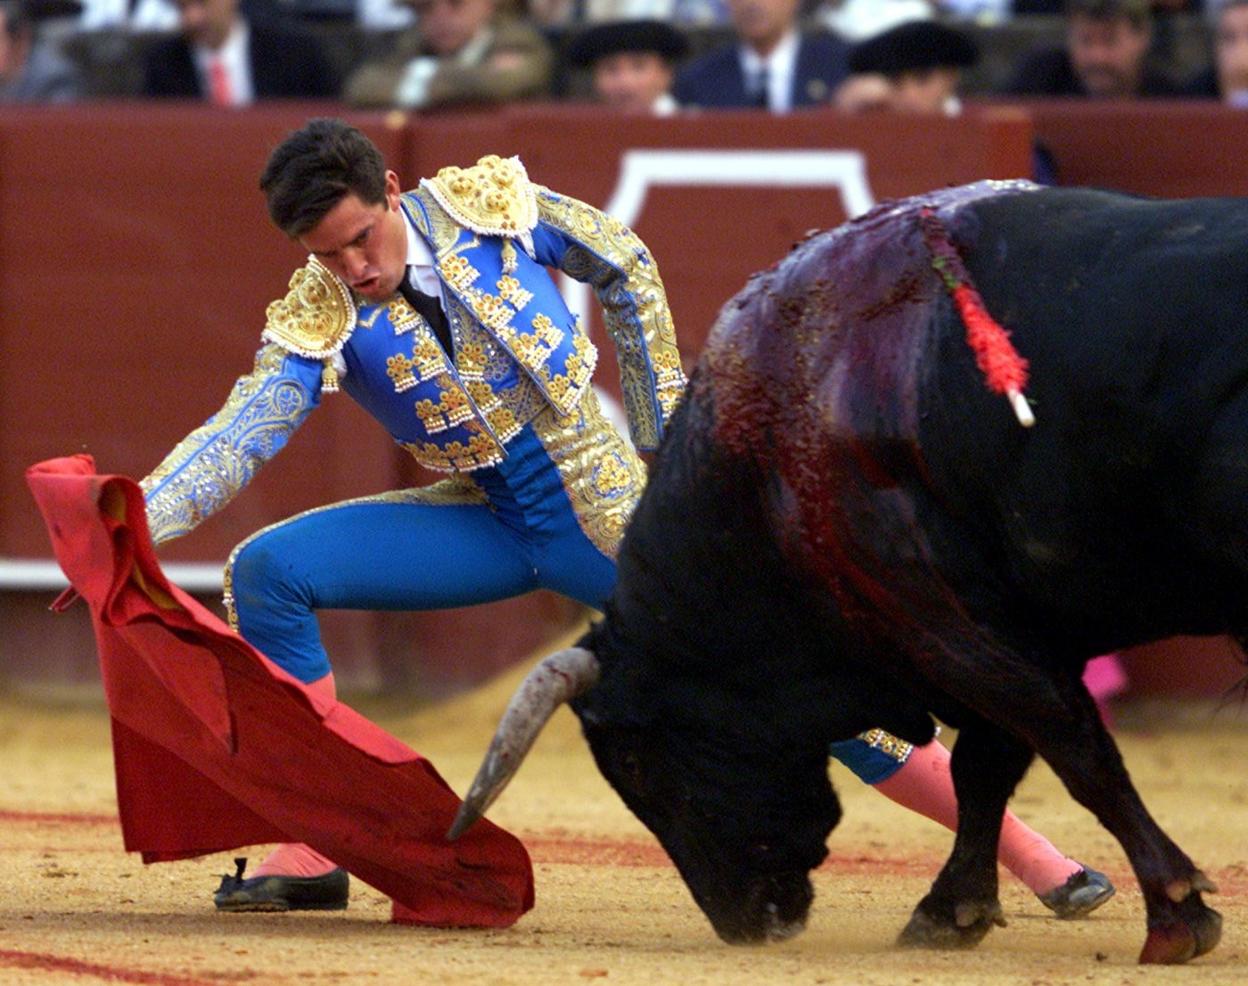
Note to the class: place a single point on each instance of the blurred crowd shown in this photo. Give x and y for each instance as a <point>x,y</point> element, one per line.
<point>636,56</point>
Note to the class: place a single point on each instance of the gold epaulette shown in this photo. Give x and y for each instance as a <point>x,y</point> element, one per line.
<point>493,198</point>
<point>316,317</point>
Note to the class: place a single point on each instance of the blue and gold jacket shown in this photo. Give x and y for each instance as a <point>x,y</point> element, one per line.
<point>517,349</point>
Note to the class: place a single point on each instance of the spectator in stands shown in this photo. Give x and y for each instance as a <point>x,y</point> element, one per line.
<point>31,70</point>
<point>772,65</point>
<point>916,67</point>
<point>226,59</point>
<point>1105,56</point>
<point>921,64</point>
<point>459,51</point>
<point>1227,78</point>
<point>632,64</point>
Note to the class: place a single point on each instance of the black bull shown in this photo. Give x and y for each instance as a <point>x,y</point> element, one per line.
<point>846,529</point>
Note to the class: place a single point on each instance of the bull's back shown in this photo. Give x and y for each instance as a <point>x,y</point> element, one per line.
<point>908,490</point>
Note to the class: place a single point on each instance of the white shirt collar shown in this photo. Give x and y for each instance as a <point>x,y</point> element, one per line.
<point>420,258</point>
<point>233,54</point>
<point>665,105</point>
<point>781,66</point>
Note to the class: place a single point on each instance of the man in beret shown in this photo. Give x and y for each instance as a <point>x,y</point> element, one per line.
<point>631,63</point>
<point>920,62</point>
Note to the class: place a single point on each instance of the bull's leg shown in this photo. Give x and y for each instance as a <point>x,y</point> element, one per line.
<point>1057,718</point>
<point>1085,757</point>
<point>962,905</point>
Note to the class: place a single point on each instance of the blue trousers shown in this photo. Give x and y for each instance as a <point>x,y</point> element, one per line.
<point>510,530</point>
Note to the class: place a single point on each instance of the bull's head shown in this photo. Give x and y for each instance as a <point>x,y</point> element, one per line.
<point>742,809</point>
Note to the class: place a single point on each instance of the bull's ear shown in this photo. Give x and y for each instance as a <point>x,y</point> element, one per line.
<point>557,679</point>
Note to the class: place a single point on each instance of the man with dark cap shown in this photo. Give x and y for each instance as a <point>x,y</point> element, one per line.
<point>916,67</point>
<point>921,62</point>
<point>632,64</point>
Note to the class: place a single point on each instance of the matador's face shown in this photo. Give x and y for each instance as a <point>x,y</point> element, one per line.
<point>364,244</point>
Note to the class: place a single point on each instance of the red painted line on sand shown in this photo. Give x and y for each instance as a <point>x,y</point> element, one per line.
<point>59,963</point>
<point>57,818</point>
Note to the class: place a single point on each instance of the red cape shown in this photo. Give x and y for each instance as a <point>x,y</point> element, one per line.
<point>217,747</point>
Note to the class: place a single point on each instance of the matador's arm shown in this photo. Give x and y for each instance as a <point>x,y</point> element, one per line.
<point>208,467</point>
<point>595,248</point>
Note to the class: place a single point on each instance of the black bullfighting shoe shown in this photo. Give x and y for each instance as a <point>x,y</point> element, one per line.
<point>1080,895</point>
<point>282,893</point>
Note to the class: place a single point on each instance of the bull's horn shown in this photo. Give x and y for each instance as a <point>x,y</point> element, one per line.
<point>559,678</point>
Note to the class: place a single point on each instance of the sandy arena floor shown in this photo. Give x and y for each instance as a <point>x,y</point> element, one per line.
<point>610,907</point>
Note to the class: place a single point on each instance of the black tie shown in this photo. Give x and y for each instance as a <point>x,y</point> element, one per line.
<point>759,90</point>
<point>428,306</point>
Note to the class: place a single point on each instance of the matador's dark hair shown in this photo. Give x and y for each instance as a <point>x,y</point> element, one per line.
<point>313,168</point>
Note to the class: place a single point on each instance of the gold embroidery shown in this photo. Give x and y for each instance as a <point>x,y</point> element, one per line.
<point>452,409</point>
<point>490,311</point>
<point>563,389</point>
<point>470,361</point>
<point>429,357</point>
<point>214,462</point>
<point>635,311</point>
<point>403,316</point>
<point>669,379</point>
<point>399,369</point>
<point>480,451</point>
<point>888,744</point>
<point>483,396</point>
<point>458,272</point>
<point>601,474</point>
<point>504,424</point>
<point>492,198</point>
<point>546,332</point>
<point>315,318</point>
<point>510,291</point>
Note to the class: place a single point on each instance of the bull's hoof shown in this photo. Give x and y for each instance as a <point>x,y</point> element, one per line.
<point>966,928</point>
<point>1174,944</point>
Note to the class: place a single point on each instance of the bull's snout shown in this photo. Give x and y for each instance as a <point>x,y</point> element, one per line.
<point>772,909</point>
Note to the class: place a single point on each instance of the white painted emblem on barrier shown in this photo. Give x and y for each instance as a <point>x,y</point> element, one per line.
<point>845,171</point>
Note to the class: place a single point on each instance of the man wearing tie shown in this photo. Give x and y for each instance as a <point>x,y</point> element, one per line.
<point>772,65</point>
<point>226,59</point>
<point>433,309</point>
